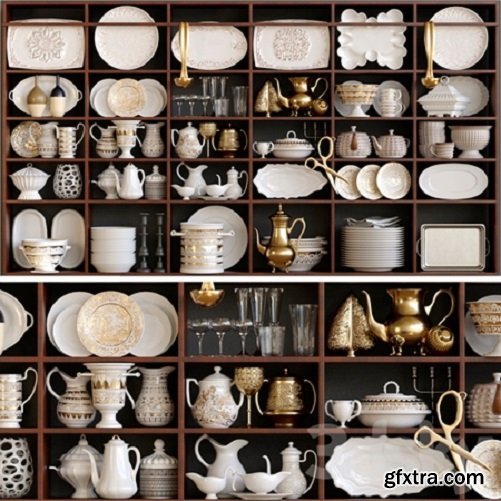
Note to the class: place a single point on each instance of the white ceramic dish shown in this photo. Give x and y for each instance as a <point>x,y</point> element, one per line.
<point>111,267</point>
<point>156,97</point>
<point>481,345</point>
<point>126,97</point>
<point>348,189</point>
<point>24,137</point>
<point>212,47</point>
<point>70,225</point>
<point>346,110</point>
<point>392,419</point>
<point>101,88</point>
<point>489,452</point>
<point>29,223</point>
<point>64,333</point>
<point>126,47</point>
<point>19,94</point>
<point>292,45</point>
<point>376,42</point>
<point>453,181</point>
<point>366,182</point>
<point>16,320</point>
<point>392,84</point>
<point>115,245</point>
<point>288,181</point>
<point>252,496</point>
<point>474,90</point>
<point>49,46</point>
<point>393,180</point>
<point>111,232</point>
<point>158,332</point>
<point>234,247</point>
<point>354,467</point>
<point>459,47</point>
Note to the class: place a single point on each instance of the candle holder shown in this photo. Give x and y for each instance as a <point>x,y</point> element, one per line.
<point>143,248</point>
<point>159,251</point>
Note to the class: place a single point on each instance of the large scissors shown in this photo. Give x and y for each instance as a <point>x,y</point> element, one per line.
<point>457,452</point>
<point>313,163</point>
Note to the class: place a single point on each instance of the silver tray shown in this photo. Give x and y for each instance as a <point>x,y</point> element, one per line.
<point>452,247</point>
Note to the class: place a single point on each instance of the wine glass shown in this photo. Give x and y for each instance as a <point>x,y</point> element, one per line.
<point>221,326</point>
<point>242,327</point>
<point>199,327</point>
<point>192,100</point>
<point>257,302</point>
<point>179,104</point>
<point>249,381</point>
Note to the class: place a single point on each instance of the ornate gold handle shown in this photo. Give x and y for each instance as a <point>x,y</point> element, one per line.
<point>183,48</point>
<point>429,80</point>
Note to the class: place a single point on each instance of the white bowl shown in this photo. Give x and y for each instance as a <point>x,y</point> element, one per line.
<point>112,232</point>
<point>44,254</point>
<point>292,153</point>
<point>113,257</point>
<point>393,419</point>
<point>116,245</point>
<point>113,268</point>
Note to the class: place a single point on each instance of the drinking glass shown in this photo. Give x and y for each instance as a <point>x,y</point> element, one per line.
<point>221,107</point>
<point>199,327</point>
<point>192,100</point>
<point>257,302</point>
<point>221,326</point>
<point>271,340</point>
<point>240,100</point>
<point>249,380</point>
<point>179,104</point>
<point>242,328</point>
<point>274,303</point>
<point>304,328</point>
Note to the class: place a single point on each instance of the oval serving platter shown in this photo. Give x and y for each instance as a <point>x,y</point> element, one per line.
<point>453,181</point>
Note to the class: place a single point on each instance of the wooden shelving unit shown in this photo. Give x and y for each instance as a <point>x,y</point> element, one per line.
<point>324,211</point>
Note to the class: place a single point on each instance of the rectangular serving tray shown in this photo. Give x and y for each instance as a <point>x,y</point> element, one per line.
<point>452,247</point>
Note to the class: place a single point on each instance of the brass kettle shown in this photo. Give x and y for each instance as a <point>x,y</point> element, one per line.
<point>409,322</point>
<point>280,252</point>
<point>229,141</point>
<point>303,99</point>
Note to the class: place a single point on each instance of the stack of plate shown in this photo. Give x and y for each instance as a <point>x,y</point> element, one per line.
<point>372,249</point>
<point>149,312</point>
<point>113,248</point>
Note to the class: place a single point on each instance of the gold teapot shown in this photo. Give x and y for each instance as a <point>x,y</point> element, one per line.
<point>409,322</point>
<point>229,141</point>
<point>285,402</point>
<point>279,251</point>
<point>303,99</point>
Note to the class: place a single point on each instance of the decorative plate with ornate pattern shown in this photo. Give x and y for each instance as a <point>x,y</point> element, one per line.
<point>348,189</point>
<point>110,324</point>
<point>393,180</point>
<point>366,182</point>
<point>24,137</point>
<point>126,97</point>
<point>489,452</point>
<point>126,47</point>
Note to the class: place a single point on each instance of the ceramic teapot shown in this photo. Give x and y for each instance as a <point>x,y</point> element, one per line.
<point>117,479</point>
<point>106,181</point>
<point>279,252</point>
<point>195,178</point>
<point>214,406</point>
<point>409,322</point>
<point>302,99</point>
<point>229,141</point>
<point>235,190</point>
<point>106,144</point>
<point>130,187</point>
<point>226,457</point>
<point>390,145</point>
<point>187,145</point>
<point>353,144</point>
<point>483,408</point>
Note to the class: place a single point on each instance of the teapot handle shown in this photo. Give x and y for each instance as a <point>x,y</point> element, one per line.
<point>246,139</point>
<point>314,476</point>
<point>90,132</point>
<point>246,181</point>
<point>256,399</point>
<point>321,79</point>
<point>25,376</point>
<point>141,181</point>
<point>135,450</point>
<point>53,371</point>
<point>188,399</point>
<point>241,400</point>
<point>314,396</point>
<point>428,308</point>
<point>291,227</point>
<point>197,451</point>
<point>177,171</point>
<point>172,136</point>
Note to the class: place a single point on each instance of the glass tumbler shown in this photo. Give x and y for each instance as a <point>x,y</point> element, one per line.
<point>221,107</point>
<point>304,328</point>
<point>240,100</point>
<point>271,340</point>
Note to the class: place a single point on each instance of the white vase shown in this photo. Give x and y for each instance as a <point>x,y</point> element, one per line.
<point>16,468</point>
<point>67,182</point>
<point>153,146</point>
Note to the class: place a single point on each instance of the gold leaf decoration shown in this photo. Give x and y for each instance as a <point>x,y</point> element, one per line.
<point>267,100</point>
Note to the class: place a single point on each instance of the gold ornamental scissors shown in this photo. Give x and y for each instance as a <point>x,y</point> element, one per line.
<point>313,163</point>
<point>457,452</point>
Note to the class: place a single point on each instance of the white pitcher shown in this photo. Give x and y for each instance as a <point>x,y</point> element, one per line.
<point>11,399</point>
<point>130,187</point>
<point>153,145</point>
<point>195,178</point>
<point>235,190</point>
<point>68,142</point>
<point>47,142</point>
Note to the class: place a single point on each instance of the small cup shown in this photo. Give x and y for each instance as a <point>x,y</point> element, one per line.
<point>263,148</point>
<point>221,107</point>
<point>391,109</point>
<point>390,94</point>
<point>442,150</point>
<point>343,411</point>
<point>271,340</point>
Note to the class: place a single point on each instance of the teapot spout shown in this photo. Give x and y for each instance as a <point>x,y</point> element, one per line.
<point>260,247</point>
<point>377,329</point>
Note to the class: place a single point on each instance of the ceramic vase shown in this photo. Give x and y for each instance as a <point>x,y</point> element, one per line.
<point>16,468</point>
<point>67,183</point>
<point>153,146</point>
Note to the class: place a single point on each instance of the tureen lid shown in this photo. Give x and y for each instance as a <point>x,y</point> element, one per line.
<point>159,459</point>
<point>155,176</point>
<point>217,376</point>
<point>387,396</point>
<point>444,92</point>
<point>30,171</point>
<point>77,453</point>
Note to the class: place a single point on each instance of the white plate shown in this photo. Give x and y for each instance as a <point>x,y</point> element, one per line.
<point>15,319</point>
<point>212,47</point>
<point>104,83</point>
<point>480,344</point>
<point>70,225</point>
<point>19,94</point>
<point>99,101</point>
<point>288,181</point>
<point>459,47</point>
<point>126,97</point>
<point>46,47</point>
<point>234,247</point>
<point>393,180</point>
<point>126,47</point>
<point>156,97</point>
<point>366,182</point>
<point>293,46</point>
<point>348,189</point>
<point>474,89</point>
<point>29,223</point>
<point>346,110</point>
<point>391,84</point>
<point>453,181</point>
<point>375,42</point>
<point>358,466</point>
<point>64,333</point>
<point>157,332</point>
<point>70,299</point>
<point>489,452</point>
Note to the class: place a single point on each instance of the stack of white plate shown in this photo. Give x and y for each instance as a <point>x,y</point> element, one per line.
<point>372,249</point>
<point>113,248</point>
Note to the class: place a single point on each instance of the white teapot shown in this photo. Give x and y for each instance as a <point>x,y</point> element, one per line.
<point>214,406</point>
<point>130,187</point>
<point>187,145</point>
<point>235,190</point>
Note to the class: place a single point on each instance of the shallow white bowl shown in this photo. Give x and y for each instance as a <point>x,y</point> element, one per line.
<point>113,257</point>
<point>113,268</point>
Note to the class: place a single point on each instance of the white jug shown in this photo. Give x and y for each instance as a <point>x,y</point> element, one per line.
<point>130,187</point>
<point>67,138</point>
<point>195,178</point>
<point>47,142</point>
<point>235,190</point>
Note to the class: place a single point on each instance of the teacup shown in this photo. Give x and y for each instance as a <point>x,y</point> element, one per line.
<point>263,148</point>
<point>391,108</point>
<point>343,411</point>
<point>442,150</point>
<point>390,94</point>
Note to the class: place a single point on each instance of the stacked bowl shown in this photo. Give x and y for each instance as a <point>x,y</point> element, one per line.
<point>113,248</point>
<point>430,133</point>
<point>486,316</point>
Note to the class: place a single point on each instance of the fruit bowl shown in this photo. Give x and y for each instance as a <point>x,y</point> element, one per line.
<point>357,95</point>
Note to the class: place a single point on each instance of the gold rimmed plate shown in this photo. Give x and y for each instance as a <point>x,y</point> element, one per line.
<point>24,137</point>
<point>126,97</point>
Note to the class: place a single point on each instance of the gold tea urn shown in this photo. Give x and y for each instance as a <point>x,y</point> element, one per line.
<point>279,251</point>
<point>229,141</point>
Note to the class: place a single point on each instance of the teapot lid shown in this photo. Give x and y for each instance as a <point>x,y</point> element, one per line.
<point>77,453</point>
<point>108,172</point>
<point>285,376</point>
<point>159,460</point>
<point>155,176</point>
<point>217,376</point>
<point>29,170</point>
<point>290,450</point>
<point>190,127</point>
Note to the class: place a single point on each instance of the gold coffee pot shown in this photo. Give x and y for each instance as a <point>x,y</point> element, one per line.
<point>229,141</point>
<point>280,252</point>
<point>303,99</point>
<point>285,401</point>
<point>409,322</point>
